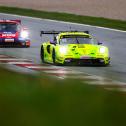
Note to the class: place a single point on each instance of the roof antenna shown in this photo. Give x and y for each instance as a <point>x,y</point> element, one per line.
<point>70,28</point>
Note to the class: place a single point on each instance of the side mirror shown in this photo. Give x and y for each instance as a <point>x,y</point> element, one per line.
<point>99,43</point>
<point>25,28</point>
<point>52,42</point>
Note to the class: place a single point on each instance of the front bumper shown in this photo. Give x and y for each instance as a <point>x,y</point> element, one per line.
<point>15,43</point>
<point>93,61</point>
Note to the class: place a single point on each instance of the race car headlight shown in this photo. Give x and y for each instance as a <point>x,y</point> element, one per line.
<point>102,50</point>
<point>24,34</point>
<point>63,50</point>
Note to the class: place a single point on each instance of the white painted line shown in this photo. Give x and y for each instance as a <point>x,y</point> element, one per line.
<point>89,77</point>
<point>118,83</point>
<point>16,63</point>
<point>106,82</point>
<point>62,72</point>
<point>65,22</point>
<point>3,56</point>
<point>9,59</point>
<point>97,82</point>
<point>42,67</point>
<point>76,76</point>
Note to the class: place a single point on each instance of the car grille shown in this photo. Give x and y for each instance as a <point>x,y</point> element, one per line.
<point>84,61</point>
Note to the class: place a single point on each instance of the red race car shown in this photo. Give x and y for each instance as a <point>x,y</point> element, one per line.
<point>12,34</point>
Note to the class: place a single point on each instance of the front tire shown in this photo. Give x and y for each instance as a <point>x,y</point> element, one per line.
<point>27,46</point>
<point>54,56</point>
<point>42,54</point>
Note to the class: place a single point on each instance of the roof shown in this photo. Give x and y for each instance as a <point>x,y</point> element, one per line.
<point>10,21</point>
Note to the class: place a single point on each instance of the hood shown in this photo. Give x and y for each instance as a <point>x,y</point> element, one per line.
<point>83,49</point>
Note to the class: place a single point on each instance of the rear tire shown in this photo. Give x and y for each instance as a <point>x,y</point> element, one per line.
<point>42,54</point>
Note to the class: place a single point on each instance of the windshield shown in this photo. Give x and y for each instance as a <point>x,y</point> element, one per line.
<point>8,27</point>
<point>77,40</point>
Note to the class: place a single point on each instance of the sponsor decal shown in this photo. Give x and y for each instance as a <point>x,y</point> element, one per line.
<point>8,35</point>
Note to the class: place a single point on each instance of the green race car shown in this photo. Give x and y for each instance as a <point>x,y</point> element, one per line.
<point>74,47</point>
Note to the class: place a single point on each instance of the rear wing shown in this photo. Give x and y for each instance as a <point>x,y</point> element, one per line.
<point>57,32</point>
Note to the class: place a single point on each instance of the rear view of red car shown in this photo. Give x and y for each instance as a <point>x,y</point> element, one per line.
<point>12,34</point>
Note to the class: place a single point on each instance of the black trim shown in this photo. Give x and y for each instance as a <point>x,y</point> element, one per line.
<point>57,32</point>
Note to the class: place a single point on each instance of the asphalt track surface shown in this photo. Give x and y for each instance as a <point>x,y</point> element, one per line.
<point>115,40</point>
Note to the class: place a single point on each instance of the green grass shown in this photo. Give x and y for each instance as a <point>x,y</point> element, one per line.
<point>97,21</point>
<point>44,101</point>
